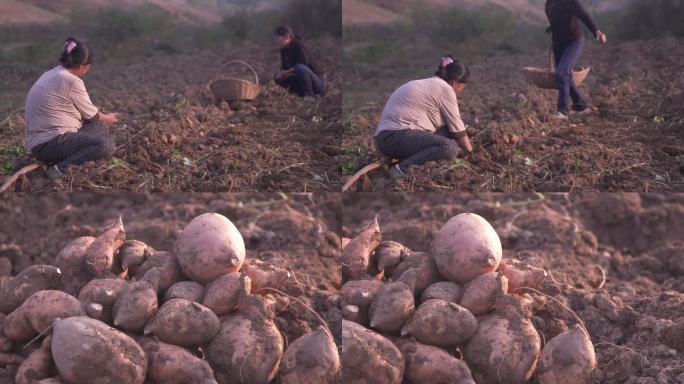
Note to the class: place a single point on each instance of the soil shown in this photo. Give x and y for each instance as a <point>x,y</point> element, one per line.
<point>632,140</point>
<point>174,136</point>
<point>635,319</point>
<point>297,232</point>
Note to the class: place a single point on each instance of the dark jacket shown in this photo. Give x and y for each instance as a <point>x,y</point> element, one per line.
<point>298,53</point>
<point>564,16</point>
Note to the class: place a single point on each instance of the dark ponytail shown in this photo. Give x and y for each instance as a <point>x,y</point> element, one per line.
<point>451,69</point>
<point>76,53</point>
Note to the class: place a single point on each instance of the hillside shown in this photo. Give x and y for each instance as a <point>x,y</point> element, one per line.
<point>386,11</point>
<point>196,11</point>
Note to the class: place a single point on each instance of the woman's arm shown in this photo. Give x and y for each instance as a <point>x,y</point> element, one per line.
<point>452,117</point>
<point>462,140</point>
<point>583,15</point>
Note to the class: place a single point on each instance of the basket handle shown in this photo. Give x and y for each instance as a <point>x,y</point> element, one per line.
<point>256,76</point>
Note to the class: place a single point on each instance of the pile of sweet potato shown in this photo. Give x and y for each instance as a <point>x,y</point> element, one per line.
<point>114,310</point>
<point>458,314</point>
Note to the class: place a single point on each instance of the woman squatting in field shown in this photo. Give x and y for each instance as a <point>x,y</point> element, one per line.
<point>63,127</point>
<point>299,73</point>
<point>568,42</point>
<point>421,121</point>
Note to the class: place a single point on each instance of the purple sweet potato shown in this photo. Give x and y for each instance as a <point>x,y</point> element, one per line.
<point>15,290</point>
<point>443,290</point>
<point>424,266</point>
<point>428,364</point>
<point>168,266</point>
<point>72,261</point>
<point>188,290</point>
<point>441,324</point>
<point>51,380</point>
<point>105,293</point>
<point>133,253</point>
<point>135,306</point>
<point>171,364</point>
<point>358,294</point>
<point>37,366</point>
<point>37,313</point>
<point>183,322</point>
<point>465,247</point>
<point>210,246</point>
<point>368,357</point>
<point>567,358</point>
<point>479,295</point>
<point>264,275</point>
<point>391,307</point>
<point>102,251</point>
<point>506,344</point>
<point>223,294</point>
<point>88,351</point>
<point>389,254</point>
<point>311,359</point>
<point>356,256</point>
<point>5,343</point>
<point>249,346</point>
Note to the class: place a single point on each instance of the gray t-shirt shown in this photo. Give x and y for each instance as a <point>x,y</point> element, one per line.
<point>424,105</point>
<point>56,104</point>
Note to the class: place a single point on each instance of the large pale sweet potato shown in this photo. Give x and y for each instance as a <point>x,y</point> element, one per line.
<point>567,358</point>
<point>311,359</point>
<point>88,351</point>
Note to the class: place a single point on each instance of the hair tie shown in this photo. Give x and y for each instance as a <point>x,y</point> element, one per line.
<point>69,46</point>
<point>446,60</point>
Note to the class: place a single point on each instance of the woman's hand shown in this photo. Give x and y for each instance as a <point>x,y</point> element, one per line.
<point>601,37</point>
<point>109,118</point>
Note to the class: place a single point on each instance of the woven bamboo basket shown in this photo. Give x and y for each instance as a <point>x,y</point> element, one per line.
<point>544,77</point>
<point>234,89</point>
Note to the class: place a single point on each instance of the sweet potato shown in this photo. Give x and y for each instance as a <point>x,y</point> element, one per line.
<point>88,351</point>
<point>358,294</point>
<point>505,345</point>
<point>441,323</point>
<point>183,322</point>
<point>428,364</point>
<point>10,359</point>
<point>389,254</point>
<point>264,275</point>
<point>356,256</point>
<point>167,264</point>
<point>72,261</point>
<point>368,357</point>
<point>443,290</point>
<point>521,274</point>
<point>15,290</point>
<point>37,313</point>
<point>135,306</point>
<point>249,346</point>
<point>188,290</point>
<point>104,248</point>
<point>567,358</point>
<point>171,364</point>
<point>479,295</point>
<point>425,267</point>
<point>133,253</point>
<point>311,359</point>
<point>103,292</point>
<point>37,366</point>
<point>210,246</point>
<point>51,380</point>
<point>5,343</point>
<point>465,247</point>
<point>391,307</point>
<point>223,294</point>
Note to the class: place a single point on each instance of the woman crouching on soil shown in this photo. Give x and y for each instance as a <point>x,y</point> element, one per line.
<point>63,127</point>
<point>421,121</point>
<point>299,73</point>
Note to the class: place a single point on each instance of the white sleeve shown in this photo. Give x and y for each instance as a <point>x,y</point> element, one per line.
<point>79,96</point>
<point>448,106</point>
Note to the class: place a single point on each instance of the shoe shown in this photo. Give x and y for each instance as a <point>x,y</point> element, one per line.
<point>53,173</point>
<point>559,116</point>
<point>396,174</point>
<point>583,111</point>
